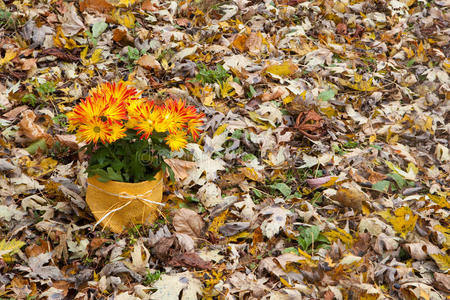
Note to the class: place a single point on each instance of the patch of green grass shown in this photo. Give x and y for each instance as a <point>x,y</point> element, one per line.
<point>131,58</point>
<point>205,75</point>
<point>29,99</point>
<point>150,278</point>
<point>5,18</point>
<point>47,88</point>
<point>60,120</point>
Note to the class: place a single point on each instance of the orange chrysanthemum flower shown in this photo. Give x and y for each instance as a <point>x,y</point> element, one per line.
<point>119,91</point>
<point>113,108</point>
<point>177,115</point>
<point>193,126</point>
<point>93,130</point>
<point>149,119</point>
<point>176,141</point>
<point>107,102</point>
<point>88,109</point>
<point>134,112</point>
<point>117,132</point>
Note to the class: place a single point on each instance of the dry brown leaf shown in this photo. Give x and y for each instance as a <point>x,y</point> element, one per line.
<point>13,113</point>
<point>97,243</point>
<point>374,177</point>
<point>254,42</point>
<point>188,222</point>
<point>28,64</point>
<point>269,96</point>
<point>42,246</point>
<point>190,259</point>
<point>310,124</point>
<point>443,281</point>
<point>149,62</point>
<point>101,6</point>
<point>180,167</point>
<point>350,197</point>
<point>122,37</point>
<point>32,130</point>
<point>148,5</point>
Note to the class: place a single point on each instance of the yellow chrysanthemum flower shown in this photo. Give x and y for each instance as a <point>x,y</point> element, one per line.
<point>193,127</point>
<point>134,112</point>
<point>177,141</point>
<point>149,119</point>
<point>87,110</point>
<point>117,90</point>
<point>117,132</point>
<point>94,130</point>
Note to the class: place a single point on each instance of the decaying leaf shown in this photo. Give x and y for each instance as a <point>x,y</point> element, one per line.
<point>403,220</point>
<point>170,287</point>
<point>188,222</point>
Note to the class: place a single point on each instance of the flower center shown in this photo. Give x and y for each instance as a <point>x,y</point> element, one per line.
<point>97,129</point>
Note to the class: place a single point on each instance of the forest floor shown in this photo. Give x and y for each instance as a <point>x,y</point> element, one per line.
<point>322,171</point>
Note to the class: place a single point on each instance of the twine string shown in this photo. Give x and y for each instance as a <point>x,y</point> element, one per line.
<point>124,195</point>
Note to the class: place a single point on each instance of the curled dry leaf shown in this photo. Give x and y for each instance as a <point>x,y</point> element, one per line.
<point>190,259</point>
<point>310,124</point>
<point>149,62</point>
<point>350,197</point>
<point>180,167</point>
<point>188,222</point>
<point>32,130</point>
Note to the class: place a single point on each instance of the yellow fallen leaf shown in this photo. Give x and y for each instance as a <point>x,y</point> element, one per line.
<point>226,89</point>
<point>409,175</point>
<point>220,129</point>
<point>446,232</point>
<point>9,55</point>
<point>442,260</point>
<point>441,201</point>
<point>218,221</point>
<point>340,234</point>
<point>122,3</point>
<point>7,249</point>
<point>284,281</point>
<point>403,221</point>
<point>286,68</point>
<point>126,19</point>
<point>409,52</point>
<point>363,86</point>
<point>95,57</point>
<point>251,174</point>
<point>47,165</point>
<point>241,235</point>
<point>288,99</point>
<point>61,41</point>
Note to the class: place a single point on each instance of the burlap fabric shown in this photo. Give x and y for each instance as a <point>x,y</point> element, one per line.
<point>120,205</point>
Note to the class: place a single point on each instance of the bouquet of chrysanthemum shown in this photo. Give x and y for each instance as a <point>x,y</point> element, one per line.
<point>127,138</point>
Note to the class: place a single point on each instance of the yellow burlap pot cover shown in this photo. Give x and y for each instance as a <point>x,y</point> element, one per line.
<point>120,205</point>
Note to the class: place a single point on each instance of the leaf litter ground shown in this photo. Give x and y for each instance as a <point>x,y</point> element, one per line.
<point>322,172</point>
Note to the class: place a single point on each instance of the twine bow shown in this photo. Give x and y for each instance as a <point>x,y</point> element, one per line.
<point>124,195</point>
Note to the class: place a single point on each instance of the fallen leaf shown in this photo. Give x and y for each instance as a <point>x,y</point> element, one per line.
<point>32,130</point>
<point>11,247</point>
<point>190,259</point>
<point>169,287</point>
<point>101,6</point>
<point>149,62</point>
<point>286,68</point>
<point>188,222</point>
<point>350,197</point>
<point>180,167</point>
